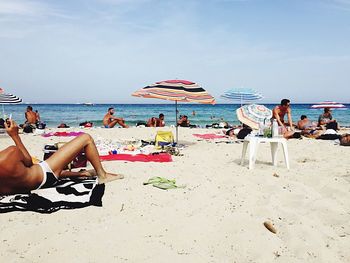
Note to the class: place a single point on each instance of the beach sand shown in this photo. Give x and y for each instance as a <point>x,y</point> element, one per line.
<point>218,217</point>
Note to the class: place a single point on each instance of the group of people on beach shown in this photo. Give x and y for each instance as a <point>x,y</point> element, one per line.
<point>325,124</point>
<point>18,173</point>
<point>110,121</point>
<point>326,127</point>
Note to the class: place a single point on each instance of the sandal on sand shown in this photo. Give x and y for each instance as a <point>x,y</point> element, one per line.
<point>163,183</point>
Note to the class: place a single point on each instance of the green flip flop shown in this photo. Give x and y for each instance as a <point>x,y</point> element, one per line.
<point>163,183</point>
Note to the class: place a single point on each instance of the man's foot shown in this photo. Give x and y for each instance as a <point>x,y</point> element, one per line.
<point>109,177</point>
<point>91,172</point>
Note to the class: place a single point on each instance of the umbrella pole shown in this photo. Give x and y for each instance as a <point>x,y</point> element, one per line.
<point>177,128</point>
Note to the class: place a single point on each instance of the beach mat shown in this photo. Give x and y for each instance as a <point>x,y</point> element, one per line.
<point>62,134</point>
<point>209,136</point>
<point>69,193</point>
<point>158,158</point>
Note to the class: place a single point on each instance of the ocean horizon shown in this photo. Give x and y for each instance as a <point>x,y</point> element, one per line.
<point>72,114</point>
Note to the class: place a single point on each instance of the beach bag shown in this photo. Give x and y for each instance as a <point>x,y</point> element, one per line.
<point>164,138</point>
<point>86,124</point>
<point>2,123</point>
<point>329,137</point>
<point>141,123</point>
<point>332,126</point>
<point>63,125</point>
<point>28,128</point>
<point>243,133</point>
<point>41,126</point>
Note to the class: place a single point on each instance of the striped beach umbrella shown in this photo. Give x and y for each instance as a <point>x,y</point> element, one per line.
<point>328,104</point>
<point>8,99</point>
<point>242,95</point>
<point>253,114</point>
<point>178,91</point>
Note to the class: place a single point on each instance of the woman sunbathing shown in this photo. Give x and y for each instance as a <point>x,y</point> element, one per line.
<point>18,174</point>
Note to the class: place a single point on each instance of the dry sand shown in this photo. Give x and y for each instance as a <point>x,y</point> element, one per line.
<point>218,217</point>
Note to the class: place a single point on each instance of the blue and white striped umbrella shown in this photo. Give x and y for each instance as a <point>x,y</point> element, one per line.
<point>9,99</point>
<point>242,95</point>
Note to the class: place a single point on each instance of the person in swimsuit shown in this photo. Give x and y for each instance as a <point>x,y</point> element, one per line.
<point>152,122</point>
<point>183,121</point>
<point>18,174</point>
<point>306,124</point>
<point>307,127</point>
<point>156,122</point>
<point>160,120</point>
<point>31,116</point>
<point>345,140</point>
<point>326,117</point>
<point>278,114</point>
<point>109,121</point>
<point>280,111</point>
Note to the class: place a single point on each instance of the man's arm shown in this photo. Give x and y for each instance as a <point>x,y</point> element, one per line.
<point>290,118</point>
<point>12,131</point>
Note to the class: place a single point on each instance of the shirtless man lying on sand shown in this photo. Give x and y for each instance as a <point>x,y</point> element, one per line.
<point>18,174</point>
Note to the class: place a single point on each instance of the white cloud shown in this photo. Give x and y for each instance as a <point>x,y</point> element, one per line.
<point>30,9</point>
<point>18,7</point>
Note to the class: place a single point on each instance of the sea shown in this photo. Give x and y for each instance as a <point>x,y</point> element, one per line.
<point>199,114</point>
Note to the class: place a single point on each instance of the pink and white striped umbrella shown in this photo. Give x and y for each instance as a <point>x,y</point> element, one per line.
<point>328,104</point>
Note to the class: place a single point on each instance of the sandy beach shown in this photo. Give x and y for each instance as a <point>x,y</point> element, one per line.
<point>218,217</point>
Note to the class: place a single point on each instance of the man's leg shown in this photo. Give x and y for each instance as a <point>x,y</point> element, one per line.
<point>70,150</point>
<point>112,123</point>
<point>122,123</point>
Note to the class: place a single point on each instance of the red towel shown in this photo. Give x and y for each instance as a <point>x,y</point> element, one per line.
<point>62,134</point>
<point>159,158</point>
<point>209,136</point>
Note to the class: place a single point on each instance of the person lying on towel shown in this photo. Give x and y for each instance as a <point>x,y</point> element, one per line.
<point>18,174</point>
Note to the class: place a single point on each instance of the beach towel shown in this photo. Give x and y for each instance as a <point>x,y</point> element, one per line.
<point>209,136</point>
<point>158,158</point>
<point>62,134</point>
<point>69,193</point>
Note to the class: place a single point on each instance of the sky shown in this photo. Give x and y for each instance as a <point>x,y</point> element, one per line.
<point>101,51</point>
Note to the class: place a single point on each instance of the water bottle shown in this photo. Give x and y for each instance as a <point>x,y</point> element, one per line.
<point>261,129</point>
<point>274,128</point>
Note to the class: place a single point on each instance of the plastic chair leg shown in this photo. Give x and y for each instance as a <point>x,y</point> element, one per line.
<point>253,150</point>
<point>285,153</point>
<point>244,151</point>
<point>274,146</point>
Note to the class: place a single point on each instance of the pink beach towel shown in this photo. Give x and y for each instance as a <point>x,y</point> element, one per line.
<point>158,158</point>
<point>209,136</point>
<point>62,134</point>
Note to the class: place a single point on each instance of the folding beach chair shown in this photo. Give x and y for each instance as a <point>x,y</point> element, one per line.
<point>164,138</point>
